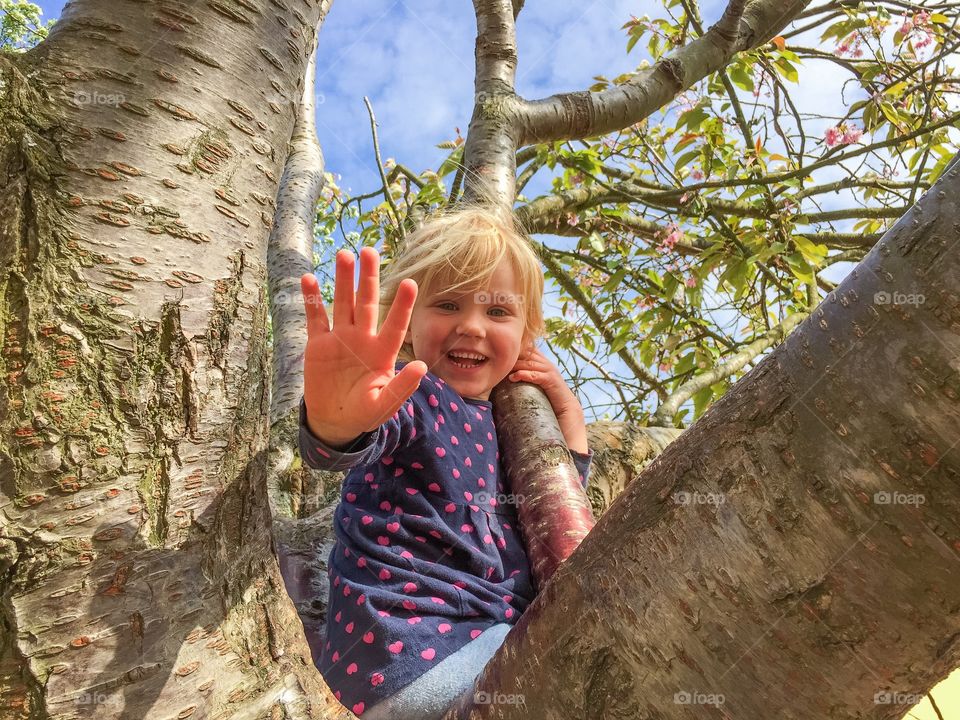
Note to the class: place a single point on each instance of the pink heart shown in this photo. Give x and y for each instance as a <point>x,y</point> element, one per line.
<point>393,526</point>
<point>453,439</point>
<point>357,709</point>
<point>346,590</point>
<point>487,539</point>
<point>474,634</point>
<point>460,584</point>
<point>409,605</point>
<point>444,627</point>
<point>436,534</point>
<point>361,600</point>
<point>438,601</point>
<point>416,466</point>
<point>362,562</point>
<point>453,406</point>
<point>441,452</point>
<point>383,540</point>
<point>336,655</point>
<point>387,460</point>
<point>478,446</point>
<point>366,519</point>
<point>376,679</point>
<point>406,554</point>
<point>368,637</point>
<point>384,574</point>
<point>490,467</point>
<point>440,418</point>
<point>398,472</point>
<point>509,612</point>
<point>351,668</point>
<point>434,487</point>
<point>456,473</point>
<point>351,497</point>
<point>466,527</point>
<point>428,654</point>
<point>410,409</point>
<point>349,628</point>
<point>410,587</point>
<point>368,477</point>
<point>385,505</point>
<point>414,620</point>
<point>466,426</point>
<point>433,401</point>
<point>468,463</point>
<point>468,495</point>
<point>411,491</point>
<point>338,616</point>
<point>450,507</point>
<point>395,647</point>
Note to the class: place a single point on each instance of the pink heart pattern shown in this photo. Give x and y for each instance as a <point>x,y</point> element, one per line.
<point>405,615</point>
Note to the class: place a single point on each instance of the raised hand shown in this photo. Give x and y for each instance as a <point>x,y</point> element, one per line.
<point>349,383</point>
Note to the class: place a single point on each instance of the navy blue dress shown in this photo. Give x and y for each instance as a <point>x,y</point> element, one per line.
<point>428,552</point>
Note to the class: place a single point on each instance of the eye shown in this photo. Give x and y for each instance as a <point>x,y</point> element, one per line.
<point>446,302</point>
<point>498,309</point>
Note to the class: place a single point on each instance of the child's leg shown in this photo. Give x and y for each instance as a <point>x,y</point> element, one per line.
<point>430,695</point>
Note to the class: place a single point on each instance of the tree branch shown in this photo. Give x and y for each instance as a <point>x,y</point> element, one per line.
<point>663,417</point>
<point>584,114</point>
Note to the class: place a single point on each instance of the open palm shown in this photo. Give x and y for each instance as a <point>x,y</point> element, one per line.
<point>349,383</point>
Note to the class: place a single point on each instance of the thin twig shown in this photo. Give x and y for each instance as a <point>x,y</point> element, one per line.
<point>383,175</point>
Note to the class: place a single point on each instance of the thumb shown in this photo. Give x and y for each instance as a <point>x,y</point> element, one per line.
<point>400,388</point>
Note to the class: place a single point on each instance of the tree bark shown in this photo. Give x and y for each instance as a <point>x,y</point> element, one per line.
<point>140,150</point>
<point>794,553</point>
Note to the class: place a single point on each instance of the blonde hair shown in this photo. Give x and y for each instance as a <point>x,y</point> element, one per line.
<point>459,249</point>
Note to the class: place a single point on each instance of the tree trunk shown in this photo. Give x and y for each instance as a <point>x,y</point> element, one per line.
<point>141,148</point>
<point>794,553</point>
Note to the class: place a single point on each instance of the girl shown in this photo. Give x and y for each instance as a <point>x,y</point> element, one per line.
<point>428,572</point>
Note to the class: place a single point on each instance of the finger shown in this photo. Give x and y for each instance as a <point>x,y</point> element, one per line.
<point>399,390</point>
<point>368,296</point>
<point>398,317</point>
<point>343,290</point>
<point>317,320</point>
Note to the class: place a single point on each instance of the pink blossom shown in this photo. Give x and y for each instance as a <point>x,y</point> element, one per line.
<point>696,174</point>
<point>832,136</point>
<point>852,134</point>
<point>690,282</point>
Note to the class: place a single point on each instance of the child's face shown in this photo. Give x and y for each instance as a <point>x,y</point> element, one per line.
<point>488,321</point>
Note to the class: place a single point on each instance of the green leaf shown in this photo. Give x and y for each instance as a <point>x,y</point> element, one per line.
<point>741,78</point>
<point>787,69</point>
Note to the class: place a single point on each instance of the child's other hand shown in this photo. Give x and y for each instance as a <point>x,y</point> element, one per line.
<point>349,383</point>
<point>534,367</point>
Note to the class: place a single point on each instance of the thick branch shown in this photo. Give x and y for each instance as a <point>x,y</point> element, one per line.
<point>585,114</point>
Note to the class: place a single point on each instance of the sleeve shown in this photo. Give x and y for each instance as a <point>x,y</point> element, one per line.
<point>398,431</point>
<point>582,463</point>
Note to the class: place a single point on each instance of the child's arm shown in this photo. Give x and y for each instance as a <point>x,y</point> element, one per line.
<point>350,387</point>
<point>534,367</point>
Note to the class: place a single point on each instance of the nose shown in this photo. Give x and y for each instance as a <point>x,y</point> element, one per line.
<point>471,325</point>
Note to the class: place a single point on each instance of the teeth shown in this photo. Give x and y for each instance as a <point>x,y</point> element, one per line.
<point>469,356</point>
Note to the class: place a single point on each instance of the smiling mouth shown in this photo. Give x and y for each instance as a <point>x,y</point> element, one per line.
<point>467,363</point>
